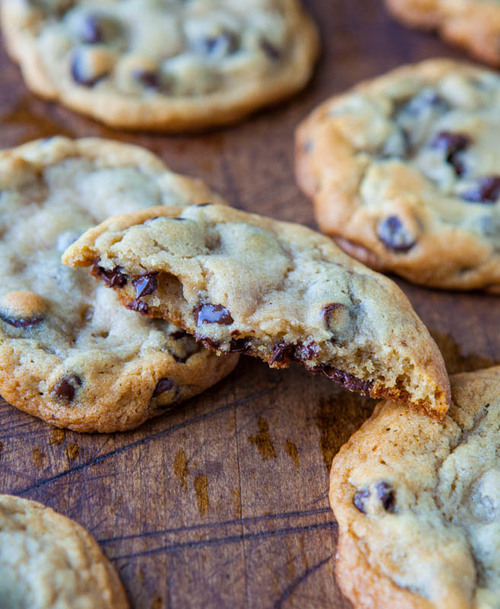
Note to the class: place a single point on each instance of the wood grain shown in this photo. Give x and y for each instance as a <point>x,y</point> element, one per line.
<point>223,503</point>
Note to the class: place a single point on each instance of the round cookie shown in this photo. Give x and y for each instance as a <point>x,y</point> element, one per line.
<point>418,504</point>
<point>48,561</point>
<point>404,171</point>
<point>162,65</point>
<point>471,24</point>
<point>70,353</point>
<point>279,291</point>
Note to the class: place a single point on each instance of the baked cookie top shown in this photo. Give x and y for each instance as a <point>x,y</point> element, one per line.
<point>48,561</point>
<point>244,283</point>
<point>70,353</point>
<point>418,504</point>
<point>404,171</point>
<point>471,24</point>
<point>162,64</point>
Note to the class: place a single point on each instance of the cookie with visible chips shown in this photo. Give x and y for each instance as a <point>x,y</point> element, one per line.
<point>167,65</point>
<point>48,561</point>
<point>70,353</point>
<point>404,172</point>
<point>418,504</point>
<point>471,24</point>
<point>244,283</point>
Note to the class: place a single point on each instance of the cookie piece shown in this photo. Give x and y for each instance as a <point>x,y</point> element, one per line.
<point>244,283</point>
<point>70,353</point>
<point>162,65</point>
<point>48,561</point>
<point>404,172</point>
<point>418,504</point>
<point>471,24</point>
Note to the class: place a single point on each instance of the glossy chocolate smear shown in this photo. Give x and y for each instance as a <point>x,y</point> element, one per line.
<point>113,278</point>
<point>145,284</point>
<point>212,314</point>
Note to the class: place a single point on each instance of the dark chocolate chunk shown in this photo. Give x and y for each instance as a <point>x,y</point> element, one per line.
<point>79,73</point>
<point>270,49</point>
<point>282,354</point>
<point>224,44</point>
<point>91,30</point>
<point>164,384</point>
<point>209,343</point>
<point>452,144</point>
<point>113,278</point>
<point>307,352</point>
<point>139,306</point>
<point>394,235</point>
<point>485,190</point>
<point>147,78</point>
<point>67,387</point>
<point>212,314</point>
<point>239,345</point>
<point>145,284</point>
<point>21,322</point>
<point>387,496</point>
<point>360,499</point>
<point>348,380</point>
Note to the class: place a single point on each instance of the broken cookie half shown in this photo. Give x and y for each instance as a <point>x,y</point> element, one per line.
<point>244,283</point>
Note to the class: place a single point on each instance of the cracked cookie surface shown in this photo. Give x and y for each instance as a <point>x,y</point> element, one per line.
<point>244,283</point>
<point>162,64</point>
<point>471,24</point>
<point>71,354</point>
<point>404,171</point>
<point>418,504</point>
<point>48,561</point>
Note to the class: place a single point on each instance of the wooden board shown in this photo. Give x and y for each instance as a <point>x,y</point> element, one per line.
<point>223,503</point>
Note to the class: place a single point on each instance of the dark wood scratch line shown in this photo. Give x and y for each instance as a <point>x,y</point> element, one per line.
<point>215,525</point>
<point>146,440</point>
<point>219,541</point>
<point>296,582</point>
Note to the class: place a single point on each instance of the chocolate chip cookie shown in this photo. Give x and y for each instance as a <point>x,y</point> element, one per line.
<point>471,24</point>
<point>418,504</point>
<point>70,354</point>
<point>162,65</point>
<point>404,172</point>
<point>48,561</point>
<point>247,284</point>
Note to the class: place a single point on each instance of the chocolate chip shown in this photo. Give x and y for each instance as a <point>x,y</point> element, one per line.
<point>387,496</point>
<point>91,30</point>
<point>113,278</point>
<point>350,382</point>
<point>164,384</point>
<point>21,322</point>
<point>360,499</point>
<point>147,78</point>
<point>209,343</point>
<point>212,314</point>
<point>79,73</point>
<point>394,235</point>
<point>330,312</point>
<point>270,49</point>
<point>145,284</point>
<point>222,45</point>
<point>239,345</point>
<point>485,190</point>
<point>282,354</point>
<point>139,306</point>
<point>67,387</point>
<point>307,352</point>
<point>452,144</point>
